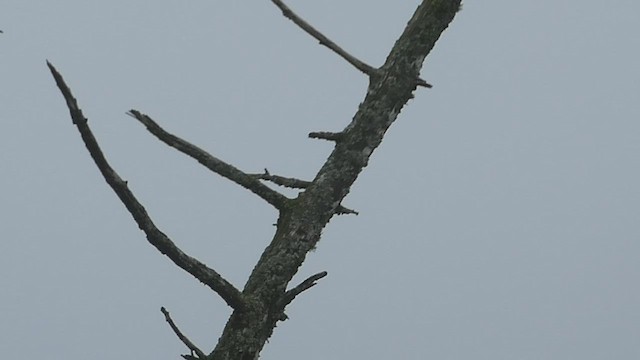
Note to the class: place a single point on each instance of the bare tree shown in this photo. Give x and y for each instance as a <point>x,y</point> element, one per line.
<point>263,300</point>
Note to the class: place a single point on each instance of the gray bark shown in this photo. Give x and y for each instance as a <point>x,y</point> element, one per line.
<point>262,302</point>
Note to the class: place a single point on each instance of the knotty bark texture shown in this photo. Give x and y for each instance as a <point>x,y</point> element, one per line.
<point>301,223</point>
<point>262,302</point>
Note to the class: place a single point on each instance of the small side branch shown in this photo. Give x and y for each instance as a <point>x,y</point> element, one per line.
<point>423,83</point>
<point>310,282</point>
<point>184,339</point>
<point>358,64</point>
<point>326,135</point>
<point>212,163</point>
<point>282,181</point>
<point>231,295</point>
<point>341,210</point>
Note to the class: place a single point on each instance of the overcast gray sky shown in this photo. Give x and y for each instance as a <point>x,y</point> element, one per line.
<point>498,220</point>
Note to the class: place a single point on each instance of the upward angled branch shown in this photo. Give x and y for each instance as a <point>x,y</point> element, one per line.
<point>300,228</point>
<point>264,297</point>
<point>185,340</point>
<point>211,162</point>
<point>157,238</point>
<point>281,180</point>
<point>357,63</point>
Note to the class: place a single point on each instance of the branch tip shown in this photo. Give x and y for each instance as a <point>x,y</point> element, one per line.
<point>212,163</point>
<point>423,83</point>
<point>341,210</point>
<point>310,282</point>
<point>327,135</point>
<point>323,40</point>
<point>185,340</point>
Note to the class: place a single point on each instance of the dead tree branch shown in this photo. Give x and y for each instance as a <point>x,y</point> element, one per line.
<point>326,135</point>
<point>358,64</point>
<point>211,162</point>
<point>310,282</point>
<point>281,180</point>
<point>299,229</point>
<point>157,238</point>
<point>341,210</point>
<point>260,305</point>
<point>185,340</point>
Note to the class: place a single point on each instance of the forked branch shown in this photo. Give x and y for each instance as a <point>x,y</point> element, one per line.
<point>231,295</point>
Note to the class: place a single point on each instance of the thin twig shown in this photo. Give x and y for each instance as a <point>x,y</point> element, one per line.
<point>288,13</point>
<point>212,163</point>
<point>231,295</point>
<point>184,339</point>
<point>282,181</point>
<point>310,282</point>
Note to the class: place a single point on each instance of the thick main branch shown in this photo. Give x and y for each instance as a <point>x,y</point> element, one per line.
<point>299,228</point>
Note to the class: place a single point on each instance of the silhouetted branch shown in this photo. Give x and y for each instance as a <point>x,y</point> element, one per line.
<point>341,210</point>
<point>326,135</point>
<point>261,304</point>
<point>423,83</point>
<point>184,339</point>
<point>281,180</point>
<point>288,13</point>
<point>357,63</point>
<point>212,163</point>
<point>310,282</point>
<point>231,295</point>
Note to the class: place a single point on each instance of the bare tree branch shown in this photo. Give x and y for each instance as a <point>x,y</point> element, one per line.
<point>326,135</point>
<point>261,304</point>
<point>181,336</point>
<point>341,210</point>
<point>281,180</point>
<point>157,238</point>
<point>212,163</point>
<point>423,83</point>
<point>300,227</point>
<point>358,64</point>
<point>310,282</point>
